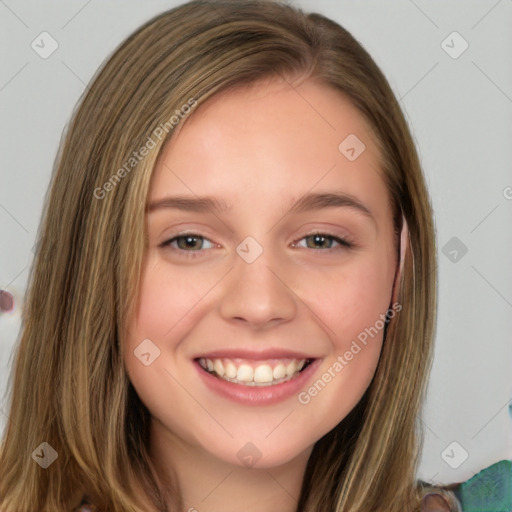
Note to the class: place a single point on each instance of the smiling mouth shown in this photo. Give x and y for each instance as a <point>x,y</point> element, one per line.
<point>254,373</point>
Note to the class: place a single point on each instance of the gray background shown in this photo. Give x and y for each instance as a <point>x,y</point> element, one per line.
<point>460,111</point>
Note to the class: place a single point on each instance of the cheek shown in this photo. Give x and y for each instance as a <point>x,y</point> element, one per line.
<point>351,305</point>
<point>167,305</point>
<point>170,304</point>
<point>352,299</point>
<point>164,307</point>
<point>168,299</point>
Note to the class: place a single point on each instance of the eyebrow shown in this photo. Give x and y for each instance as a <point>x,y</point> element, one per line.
<point>307,202</point>
<point>330,200</point>
<point>190,204</point>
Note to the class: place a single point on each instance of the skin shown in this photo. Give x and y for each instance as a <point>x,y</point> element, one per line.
<point>259,149</point>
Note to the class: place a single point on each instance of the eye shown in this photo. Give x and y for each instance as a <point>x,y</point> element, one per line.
<point>188,242</point>
<point>322,241</point>
<point>192,242</point>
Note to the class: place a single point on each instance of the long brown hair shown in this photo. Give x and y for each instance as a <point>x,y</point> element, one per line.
<point>69,386</point>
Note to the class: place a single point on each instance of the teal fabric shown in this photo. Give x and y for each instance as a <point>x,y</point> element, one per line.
<point>488,491</point>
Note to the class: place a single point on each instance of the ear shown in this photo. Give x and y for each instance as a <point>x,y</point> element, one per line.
<point>404,244</point>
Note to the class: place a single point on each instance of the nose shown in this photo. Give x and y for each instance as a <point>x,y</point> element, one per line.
<point>257,294</point>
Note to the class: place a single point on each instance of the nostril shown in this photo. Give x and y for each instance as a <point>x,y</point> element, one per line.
<point>6,302</point>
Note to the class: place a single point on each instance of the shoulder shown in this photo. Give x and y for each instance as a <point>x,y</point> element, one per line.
<point>490,490</point>
<point>439,501</point>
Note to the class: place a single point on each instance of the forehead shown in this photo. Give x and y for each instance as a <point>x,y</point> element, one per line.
<point>271,138</point>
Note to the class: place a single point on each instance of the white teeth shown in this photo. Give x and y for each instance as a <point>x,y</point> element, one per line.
<point>245,373</point>
<point>252,373</point>
<point>218,367</point>
<point>279,371</point>
<point>230,370</point>
<point>291,368</point>
<point>263,373</point>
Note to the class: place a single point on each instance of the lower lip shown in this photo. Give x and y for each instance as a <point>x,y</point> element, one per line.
<point>257,395</point>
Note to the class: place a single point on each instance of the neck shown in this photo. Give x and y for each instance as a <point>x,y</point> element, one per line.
<point>207,484</point>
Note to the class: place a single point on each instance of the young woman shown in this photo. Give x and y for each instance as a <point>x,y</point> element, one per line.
<point>233,298</point>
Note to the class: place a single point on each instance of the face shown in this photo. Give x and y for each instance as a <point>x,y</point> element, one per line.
<point>268,273</point>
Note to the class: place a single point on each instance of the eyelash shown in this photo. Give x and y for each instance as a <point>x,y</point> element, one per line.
<point>343,243</point>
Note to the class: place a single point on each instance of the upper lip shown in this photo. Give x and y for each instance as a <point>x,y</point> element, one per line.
<point>269,353</point>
